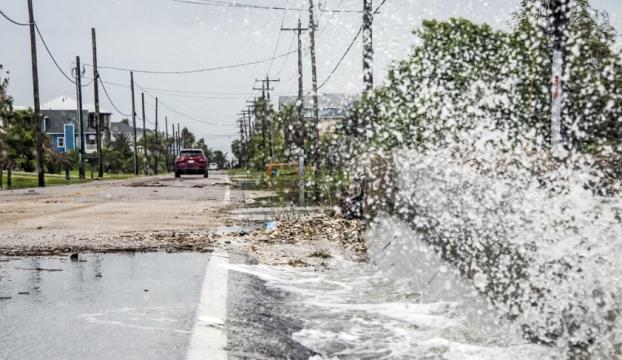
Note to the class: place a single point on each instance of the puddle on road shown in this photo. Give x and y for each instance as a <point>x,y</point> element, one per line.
<point>111,306</point>
<point>355,311</point>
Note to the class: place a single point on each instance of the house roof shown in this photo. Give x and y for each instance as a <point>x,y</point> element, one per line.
<point>69,103</point>
<point>122,127</point>
<point>330,105</point>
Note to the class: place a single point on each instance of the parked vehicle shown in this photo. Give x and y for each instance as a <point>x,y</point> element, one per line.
<point>213,166</point>
<point>191,161</point>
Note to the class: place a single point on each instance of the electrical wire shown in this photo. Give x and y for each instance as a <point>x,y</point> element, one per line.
<point>47,49</point>
<point>224,95</point>
<point>278,39</point>
<point>13,21</point>
<point>259,7</point>
<point>341,59</point>
<point>291,43</point>
<point>193,71</point>
<point>179,112</point>
<point>110,100</point>
<point>45,45</point>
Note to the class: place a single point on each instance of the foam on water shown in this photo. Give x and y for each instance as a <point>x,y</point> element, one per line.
<point>354,311</point>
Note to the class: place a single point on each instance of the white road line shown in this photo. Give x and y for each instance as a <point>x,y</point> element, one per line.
<point>227,197</point>
<point>209,336</point>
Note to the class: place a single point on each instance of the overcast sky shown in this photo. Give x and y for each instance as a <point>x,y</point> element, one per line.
<point>167,35</point>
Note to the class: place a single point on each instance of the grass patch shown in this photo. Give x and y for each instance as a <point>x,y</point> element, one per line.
<point>286,186</point>
<point>23,180</point>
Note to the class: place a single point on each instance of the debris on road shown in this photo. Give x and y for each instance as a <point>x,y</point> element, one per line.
<point>315,239</point>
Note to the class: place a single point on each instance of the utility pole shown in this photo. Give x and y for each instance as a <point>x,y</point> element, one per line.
<point>35,91</point>
<point>261,111</point>
<point>316,112</point>
<point>368,48</point>
<point>100,158</point>
<point>245,135</point>
<point>179,145</point>
<point>134,124</point>
<point>267,120</point>
<point>168,149</point>
<point>175,142</point>
<point>241,121</point>
<point>299,129</point>
<point>82,174</point>
<point>155,148</point>
<point>558,13</point>
<point>145,162</point>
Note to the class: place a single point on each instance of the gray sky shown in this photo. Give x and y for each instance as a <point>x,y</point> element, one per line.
<point>167,35</point>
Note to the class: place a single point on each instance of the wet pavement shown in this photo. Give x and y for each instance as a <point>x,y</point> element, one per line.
<point>114,306</point>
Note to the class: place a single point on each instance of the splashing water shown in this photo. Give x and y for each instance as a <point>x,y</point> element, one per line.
<point>354,310</point>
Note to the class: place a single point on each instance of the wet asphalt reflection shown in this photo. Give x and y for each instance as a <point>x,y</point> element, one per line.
<point>113,306</point>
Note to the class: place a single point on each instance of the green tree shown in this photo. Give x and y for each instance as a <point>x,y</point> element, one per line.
<point>219,158</point>
<point>200,144</point>
<point>119,156</point>
<point>187,138</point>
<point>19,139</point>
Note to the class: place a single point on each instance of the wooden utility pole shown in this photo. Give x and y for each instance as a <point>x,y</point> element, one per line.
<point>145,161</point>
<point>316,112</point>
<point>179,145</point>
<point>100,158</point>
<point>155,149</point>
<point>241,122</point>
<point>81,172</point>
<point>267,113</point>
<point>299,130</point>
<point>368,48</point>
<point>35,90</point>
<point>175,148</point>
<point>168,149</point>
<point>134,124</point>
<point>173,144</point>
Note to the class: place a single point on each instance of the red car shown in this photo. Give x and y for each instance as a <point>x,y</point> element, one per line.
<point>191,161</point>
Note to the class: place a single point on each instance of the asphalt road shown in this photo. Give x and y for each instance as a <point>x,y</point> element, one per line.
<point>113,214</point>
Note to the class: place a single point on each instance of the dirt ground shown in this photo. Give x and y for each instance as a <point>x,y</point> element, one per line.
<point>164,213</point>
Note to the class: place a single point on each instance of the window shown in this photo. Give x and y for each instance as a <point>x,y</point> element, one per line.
<point>60,142</point>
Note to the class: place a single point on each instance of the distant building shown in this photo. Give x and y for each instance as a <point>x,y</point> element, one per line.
<point>60,123</point>
<point>124,127</point>
<point>332,108</point>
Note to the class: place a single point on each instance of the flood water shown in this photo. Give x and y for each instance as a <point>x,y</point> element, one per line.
<point>404,304</point>
<point>112,306</point>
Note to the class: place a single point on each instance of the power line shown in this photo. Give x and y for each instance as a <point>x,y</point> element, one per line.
<point>278,39</point>
<point>174,91</point>
<point>193,71</point>
<point>110,100</point>
<point>13,21</point>
<point>342,57</point>
<point>179,112</point>
<point>259,7</point>
<point>47,49</point>
<point>291,44</point>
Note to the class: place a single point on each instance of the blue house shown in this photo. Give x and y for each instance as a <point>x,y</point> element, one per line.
<point>60,123</point>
